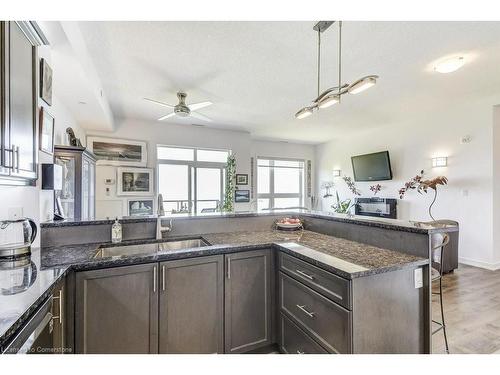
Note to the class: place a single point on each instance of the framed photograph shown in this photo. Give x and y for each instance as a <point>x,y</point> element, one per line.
<point>109,151</point>
<point>47,124</point>
<point>242,196</point>
<point>140,207</point>
<point>134,181</point>
<point>45,82</point>
<point>241,179</point>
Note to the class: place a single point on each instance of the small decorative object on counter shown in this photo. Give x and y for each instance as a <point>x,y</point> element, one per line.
<point>289,223</point>
<point>416,183</point>
<point>375,188</point>
<point>327,185</point>
<point>116,232</point>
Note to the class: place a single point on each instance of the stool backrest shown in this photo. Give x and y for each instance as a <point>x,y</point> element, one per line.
<point>438,244</point>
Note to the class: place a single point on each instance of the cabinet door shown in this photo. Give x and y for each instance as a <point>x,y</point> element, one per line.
<point>191,306</point>
<point>248,299</point>
<point>4,110</point>
<point>22,103</point>
<point>116,310</point>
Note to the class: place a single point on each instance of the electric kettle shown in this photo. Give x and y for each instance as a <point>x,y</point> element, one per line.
<point>16,237</point>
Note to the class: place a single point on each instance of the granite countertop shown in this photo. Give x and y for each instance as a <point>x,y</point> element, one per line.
<point>22,291</point>
<point>345,258</point>
<point>348,259</point>
<point>391,224</point>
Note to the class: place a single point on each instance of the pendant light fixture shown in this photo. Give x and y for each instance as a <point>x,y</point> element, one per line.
<point>333,95</point>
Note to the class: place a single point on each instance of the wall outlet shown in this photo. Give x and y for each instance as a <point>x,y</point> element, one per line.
<point>418,277</point>
<point>15,213</point>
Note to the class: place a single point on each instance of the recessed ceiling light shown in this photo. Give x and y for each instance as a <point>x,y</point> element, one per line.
<point>449,65</point>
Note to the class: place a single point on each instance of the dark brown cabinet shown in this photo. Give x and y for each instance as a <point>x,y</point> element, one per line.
<point>18,128</point>
<point>191,305</point>
<point>116,310</point>
<point>248,300</point>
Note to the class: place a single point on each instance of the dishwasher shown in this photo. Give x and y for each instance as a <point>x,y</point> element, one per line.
<point>37,336</point>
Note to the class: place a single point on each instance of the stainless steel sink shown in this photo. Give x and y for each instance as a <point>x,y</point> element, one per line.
<point>149,248</point>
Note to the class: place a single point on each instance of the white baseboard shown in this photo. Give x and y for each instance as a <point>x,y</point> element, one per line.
<point>480,264</point>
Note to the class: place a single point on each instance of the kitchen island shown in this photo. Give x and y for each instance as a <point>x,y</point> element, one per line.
<point>305,291</point>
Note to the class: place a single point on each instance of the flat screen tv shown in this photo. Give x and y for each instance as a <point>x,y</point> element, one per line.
<point>372,167</point>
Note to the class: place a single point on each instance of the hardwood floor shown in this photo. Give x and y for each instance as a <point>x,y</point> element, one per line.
<point>472,311</point>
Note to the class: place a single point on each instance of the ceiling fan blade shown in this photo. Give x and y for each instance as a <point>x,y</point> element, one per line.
<point>160,103</point>
<point>199,116</point>
<point>166,116</point>
<point>196,106</point>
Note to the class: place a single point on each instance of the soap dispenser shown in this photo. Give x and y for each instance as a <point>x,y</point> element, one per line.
<point>116,232</point>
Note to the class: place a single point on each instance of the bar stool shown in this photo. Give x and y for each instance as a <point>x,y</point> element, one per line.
<point>438,242</point>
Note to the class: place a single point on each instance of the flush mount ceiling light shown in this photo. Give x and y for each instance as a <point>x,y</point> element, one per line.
<point>449,65</point>
<point>332,95</point>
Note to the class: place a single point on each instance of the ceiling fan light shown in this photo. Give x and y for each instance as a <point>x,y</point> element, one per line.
<point>328,101</point>
<point>362,84</point>
<point>304,112</point>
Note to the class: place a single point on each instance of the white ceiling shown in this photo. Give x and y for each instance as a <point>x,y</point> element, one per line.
<point>258,74</point>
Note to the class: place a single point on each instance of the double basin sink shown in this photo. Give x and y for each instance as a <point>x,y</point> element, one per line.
<point>149,248</point>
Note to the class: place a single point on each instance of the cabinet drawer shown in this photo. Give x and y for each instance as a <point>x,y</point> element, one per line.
<point>296,341</point>
<point>332,286</point>
<point>327,322</point>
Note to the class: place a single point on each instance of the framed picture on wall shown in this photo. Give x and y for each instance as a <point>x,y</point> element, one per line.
<point>140,207</point>
<point>121,152</point>
<point>45,82</point>
<point>242,196</point>
<point>47,124</point>
<point>241,179</point>
<point>134,181</point>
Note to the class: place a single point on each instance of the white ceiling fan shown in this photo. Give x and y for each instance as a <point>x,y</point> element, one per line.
<point>182,109</point>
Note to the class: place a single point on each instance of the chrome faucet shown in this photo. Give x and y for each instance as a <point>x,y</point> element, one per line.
<point>160,229</point>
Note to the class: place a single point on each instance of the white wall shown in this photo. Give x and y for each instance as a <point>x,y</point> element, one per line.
<point>496,185</point>
<point>155,133</point>
<point>467,198</point>
<point>36,203</point>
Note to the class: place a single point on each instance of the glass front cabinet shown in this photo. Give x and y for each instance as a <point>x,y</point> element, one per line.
<point>78,184</point>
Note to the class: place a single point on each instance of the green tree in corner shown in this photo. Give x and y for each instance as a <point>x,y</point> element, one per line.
<point>228,205</point>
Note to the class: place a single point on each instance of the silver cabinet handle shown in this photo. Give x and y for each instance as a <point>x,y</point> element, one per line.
<point>154,279</point>
<point>163,286</point>
<point>310,277</point>
<point>228,268</point>
<point>300,351</point>
<point>60,301</point>
<point>304,310</point>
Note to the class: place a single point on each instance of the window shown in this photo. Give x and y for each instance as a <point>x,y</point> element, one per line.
<point>191,180</point>
<point>280,183</point>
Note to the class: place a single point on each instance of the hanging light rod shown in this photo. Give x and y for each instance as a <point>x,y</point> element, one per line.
<point>332,95</point>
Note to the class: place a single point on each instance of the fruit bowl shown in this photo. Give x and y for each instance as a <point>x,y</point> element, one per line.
<point>289,224</point>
